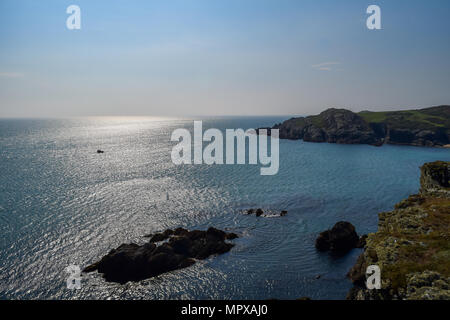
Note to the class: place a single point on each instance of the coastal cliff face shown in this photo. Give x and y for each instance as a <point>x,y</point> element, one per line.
<point>412,244</point>
<point>425,127</point>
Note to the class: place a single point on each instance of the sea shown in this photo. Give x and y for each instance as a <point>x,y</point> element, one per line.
<point>62,204</point>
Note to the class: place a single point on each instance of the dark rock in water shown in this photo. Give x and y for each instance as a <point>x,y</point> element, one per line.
<point>259,212</point>
<point>180,231</point>
<point>161,236</point>
<point>341,238</point>
<point>231,236</point>
<point>216,234</point>
<point>132,262</point>
<point>158,237</point>
<point>181,245</point>
<point>323,241</point>
<point>100,151</point>
<point>362,241</point>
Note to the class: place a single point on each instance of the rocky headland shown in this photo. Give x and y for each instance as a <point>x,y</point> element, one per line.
<point>424,127</point>
<point>133,262</point>
<point>412,244</point>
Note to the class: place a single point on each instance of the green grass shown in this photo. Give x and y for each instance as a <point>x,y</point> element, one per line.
<point>430,118</point>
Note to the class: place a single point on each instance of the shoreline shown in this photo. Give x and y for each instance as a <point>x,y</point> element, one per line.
<point>411,245</point>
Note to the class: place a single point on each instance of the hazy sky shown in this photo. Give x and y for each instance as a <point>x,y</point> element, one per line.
<point>224,57</point>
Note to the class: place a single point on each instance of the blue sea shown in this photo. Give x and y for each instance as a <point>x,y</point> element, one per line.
<point>61,203</point>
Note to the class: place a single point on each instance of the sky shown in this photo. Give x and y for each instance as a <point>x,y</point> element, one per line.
<point>221,57</point>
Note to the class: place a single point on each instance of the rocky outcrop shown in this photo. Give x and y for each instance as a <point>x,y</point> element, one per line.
<point>435,178</point>
<point>412,244</point>
<point>132,262</point>
<point>339,239</point>
<point>425,127</point>
<point>259,212</point>
<point>332,125</point>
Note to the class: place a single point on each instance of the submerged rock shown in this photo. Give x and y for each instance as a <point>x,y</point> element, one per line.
<point>341,238</point>
<point>132,262</point>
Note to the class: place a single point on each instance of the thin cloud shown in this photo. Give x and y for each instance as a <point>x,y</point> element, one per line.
<point>325,66</point>
<point>11,75</point>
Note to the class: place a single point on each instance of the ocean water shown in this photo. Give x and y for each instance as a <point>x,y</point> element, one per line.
<point>61,203</point>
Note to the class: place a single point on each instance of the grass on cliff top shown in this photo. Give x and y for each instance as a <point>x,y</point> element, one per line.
<point>429,251</point>
<point>430,118</point>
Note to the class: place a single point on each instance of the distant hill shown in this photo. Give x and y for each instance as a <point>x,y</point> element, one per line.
<point>422,127</point>
<point>425,119</point>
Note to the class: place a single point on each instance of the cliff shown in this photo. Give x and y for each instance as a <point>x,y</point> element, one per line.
<point>424,127</point>
<point>412,244</point>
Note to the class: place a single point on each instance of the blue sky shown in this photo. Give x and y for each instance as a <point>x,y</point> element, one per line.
<point>221,57</point>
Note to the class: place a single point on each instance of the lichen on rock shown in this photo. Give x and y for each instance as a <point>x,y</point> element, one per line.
<point>412,244</point>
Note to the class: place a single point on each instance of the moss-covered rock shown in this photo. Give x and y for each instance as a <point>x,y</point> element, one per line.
<point>412,244</point>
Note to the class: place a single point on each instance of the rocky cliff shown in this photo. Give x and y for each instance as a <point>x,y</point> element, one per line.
<point>425,127</point>
<point>412,244</point>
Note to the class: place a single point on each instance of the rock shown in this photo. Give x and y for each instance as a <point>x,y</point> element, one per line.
<point>259,212</point>
<point>410,244</point>
<point>428,285</point>
<point>181,245</point>
<point>435,176</point>
<point>332,125</point>
<point>341,238</point>
<point>357,273</point>
<point>232,236</point>
<point>195,234</point>
<point>161,236</point>
<point>132,262</point>
<point>361,241</point>
<point>424,127</point>
<point>180,232</point>
<point>91,268</point>
<point>216,234</point>
<point>323,241</point>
